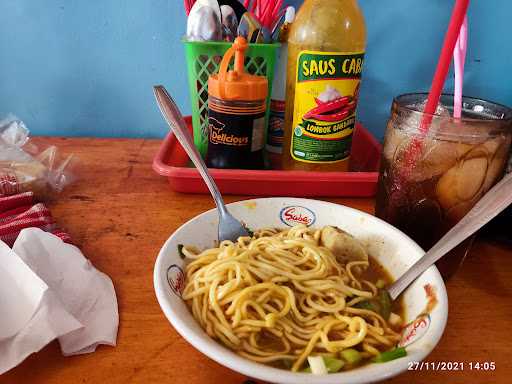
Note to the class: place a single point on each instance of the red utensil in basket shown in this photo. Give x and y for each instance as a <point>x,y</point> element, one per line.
<point>172,161</point>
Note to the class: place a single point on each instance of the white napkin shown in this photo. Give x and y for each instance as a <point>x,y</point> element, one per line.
<point>49,290</point>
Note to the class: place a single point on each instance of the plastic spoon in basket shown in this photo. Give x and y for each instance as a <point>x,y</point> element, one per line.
<point>489,206</point>
<point>229,227</point>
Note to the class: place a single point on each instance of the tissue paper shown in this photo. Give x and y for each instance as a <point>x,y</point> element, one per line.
<point>31,314</point>
<point>49,290</point>
<point>85,292</point>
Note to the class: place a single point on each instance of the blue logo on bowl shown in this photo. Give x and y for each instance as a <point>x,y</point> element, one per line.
<point>295,215</point>
<point>176,279</point>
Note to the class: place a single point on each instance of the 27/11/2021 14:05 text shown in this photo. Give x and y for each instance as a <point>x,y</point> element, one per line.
<point>451,366</point>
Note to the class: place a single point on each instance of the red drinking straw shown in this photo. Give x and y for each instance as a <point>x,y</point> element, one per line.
<point>188,5</point>
<point>275,12</point>
<point>459,12</point>
<point>266,13</point>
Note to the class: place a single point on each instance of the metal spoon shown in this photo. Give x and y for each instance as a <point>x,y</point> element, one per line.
<point>229,227</point>
<point>203,24</point>
<point>249,27</point>
<point>229,20</point>
<point>489,206</point>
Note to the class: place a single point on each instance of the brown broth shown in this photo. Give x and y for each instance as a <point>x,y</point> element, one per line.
<point>377,272</point>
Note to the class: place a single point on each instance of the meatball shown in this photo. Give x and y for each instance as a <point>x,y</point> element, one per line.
<point>343,245</point>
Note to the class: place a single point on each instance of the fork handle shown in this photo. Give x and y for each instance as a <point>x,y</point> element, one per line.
<point>178,126</point>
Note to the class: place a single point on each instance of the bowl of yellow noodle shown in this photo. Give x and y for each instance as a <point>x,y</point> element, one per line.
<point>301,299</point>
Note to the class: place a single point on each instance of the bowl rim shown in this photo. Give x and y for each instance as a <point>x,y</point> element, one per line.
<point>225,357</point>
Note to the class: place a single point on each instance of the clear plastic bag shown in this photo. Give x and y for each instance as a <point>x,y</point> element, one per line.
<point>25,167</point>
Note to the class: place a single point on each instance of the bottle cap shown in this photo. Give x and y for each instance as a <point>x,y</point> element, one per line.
<point>237,84</point>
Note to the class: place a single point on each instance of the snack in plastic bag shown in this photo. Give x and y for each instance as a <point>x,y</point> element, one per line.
<point>23,168</point>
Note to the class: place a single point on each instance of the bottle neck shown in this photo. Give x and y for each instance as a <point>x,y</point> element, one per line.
<point>352,3</point>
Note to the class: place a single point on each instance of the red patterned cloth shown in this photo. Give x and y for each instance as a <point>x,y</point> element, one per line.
<point>11,202</point>
<point>18,212</point>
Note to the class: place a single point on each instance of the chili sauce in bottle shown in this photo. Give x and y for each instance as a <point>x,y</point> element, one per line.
<point>326,49</point>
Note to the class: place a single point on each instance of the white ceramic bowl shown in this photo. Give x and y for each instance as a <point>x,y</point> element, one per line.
<point>394,250</point>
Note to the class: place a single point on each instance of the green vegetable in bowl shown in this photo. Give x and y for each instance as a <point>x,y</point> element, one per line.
<point>380,304</point>
<point>368,305</point>
<point>333,365</point>
<point>320,365</point>
<point>393,354</point>
<point>351,356</point>
<point>385,303</point>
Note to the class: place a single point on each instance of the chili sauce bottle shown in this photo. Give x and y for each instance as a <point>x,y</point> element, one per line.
<point>236,114</point>
<point>326,49</point>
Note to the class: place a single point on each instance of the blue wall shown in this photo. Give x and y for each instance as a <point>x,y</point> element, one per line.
<point>83,68</point>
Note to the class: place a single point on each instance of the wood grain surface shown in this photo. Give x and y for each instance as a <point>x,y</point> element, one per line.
<point>120,213</point>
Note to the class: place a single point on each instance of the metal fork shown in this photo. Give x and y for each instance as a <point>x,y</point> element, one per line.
<point>229,227</point>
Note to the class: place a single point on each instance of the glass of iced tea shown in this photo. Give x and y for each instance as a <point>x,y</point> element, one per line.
<point>429,181</point>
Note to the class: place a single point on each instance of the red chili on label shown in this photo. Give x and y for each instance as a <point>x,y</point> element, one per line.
<point>338,116</point>
<point>331,111</point>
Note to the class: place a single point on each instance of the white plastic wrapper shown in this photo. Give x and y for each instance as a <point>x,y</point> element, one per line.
<point>24,167</point>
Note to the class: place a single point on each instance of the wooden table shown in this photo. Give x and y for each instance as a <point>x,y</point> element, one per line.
<point>120,213</point>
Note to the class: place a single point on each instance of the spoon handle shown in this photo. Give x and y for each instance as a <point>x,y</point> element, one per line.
<point>489,206</point>
<point>178,125</point>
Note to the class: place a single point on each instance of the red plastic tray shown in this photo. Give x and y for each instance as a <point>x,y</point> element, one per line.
<point>172,161</point>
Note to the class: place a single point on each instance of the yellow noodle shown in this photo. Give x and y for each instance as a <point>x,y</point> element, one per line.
<point>282,296</point>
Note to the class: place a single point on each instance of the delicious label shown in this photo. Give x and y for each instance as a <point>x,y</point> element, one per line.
<point>217,135</point>
<point>326,95</point>
<point>235,140</point>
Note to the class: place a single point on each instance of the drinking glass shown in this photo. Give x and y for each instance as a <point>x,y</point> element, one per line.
<point>433,173</point>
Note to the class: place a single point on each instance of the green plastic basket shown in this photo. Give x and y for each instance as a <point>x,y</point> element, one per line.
<point>203,60</point>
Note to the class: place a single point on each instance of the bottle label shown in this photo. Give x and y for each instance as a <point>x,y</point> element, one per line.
<point>235,140</point>
<point>276,127</point>
<point>324,115</point>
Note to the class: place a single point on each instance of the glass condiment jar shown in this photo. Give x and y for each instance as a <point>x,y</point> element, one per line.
<point>236,116</point>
